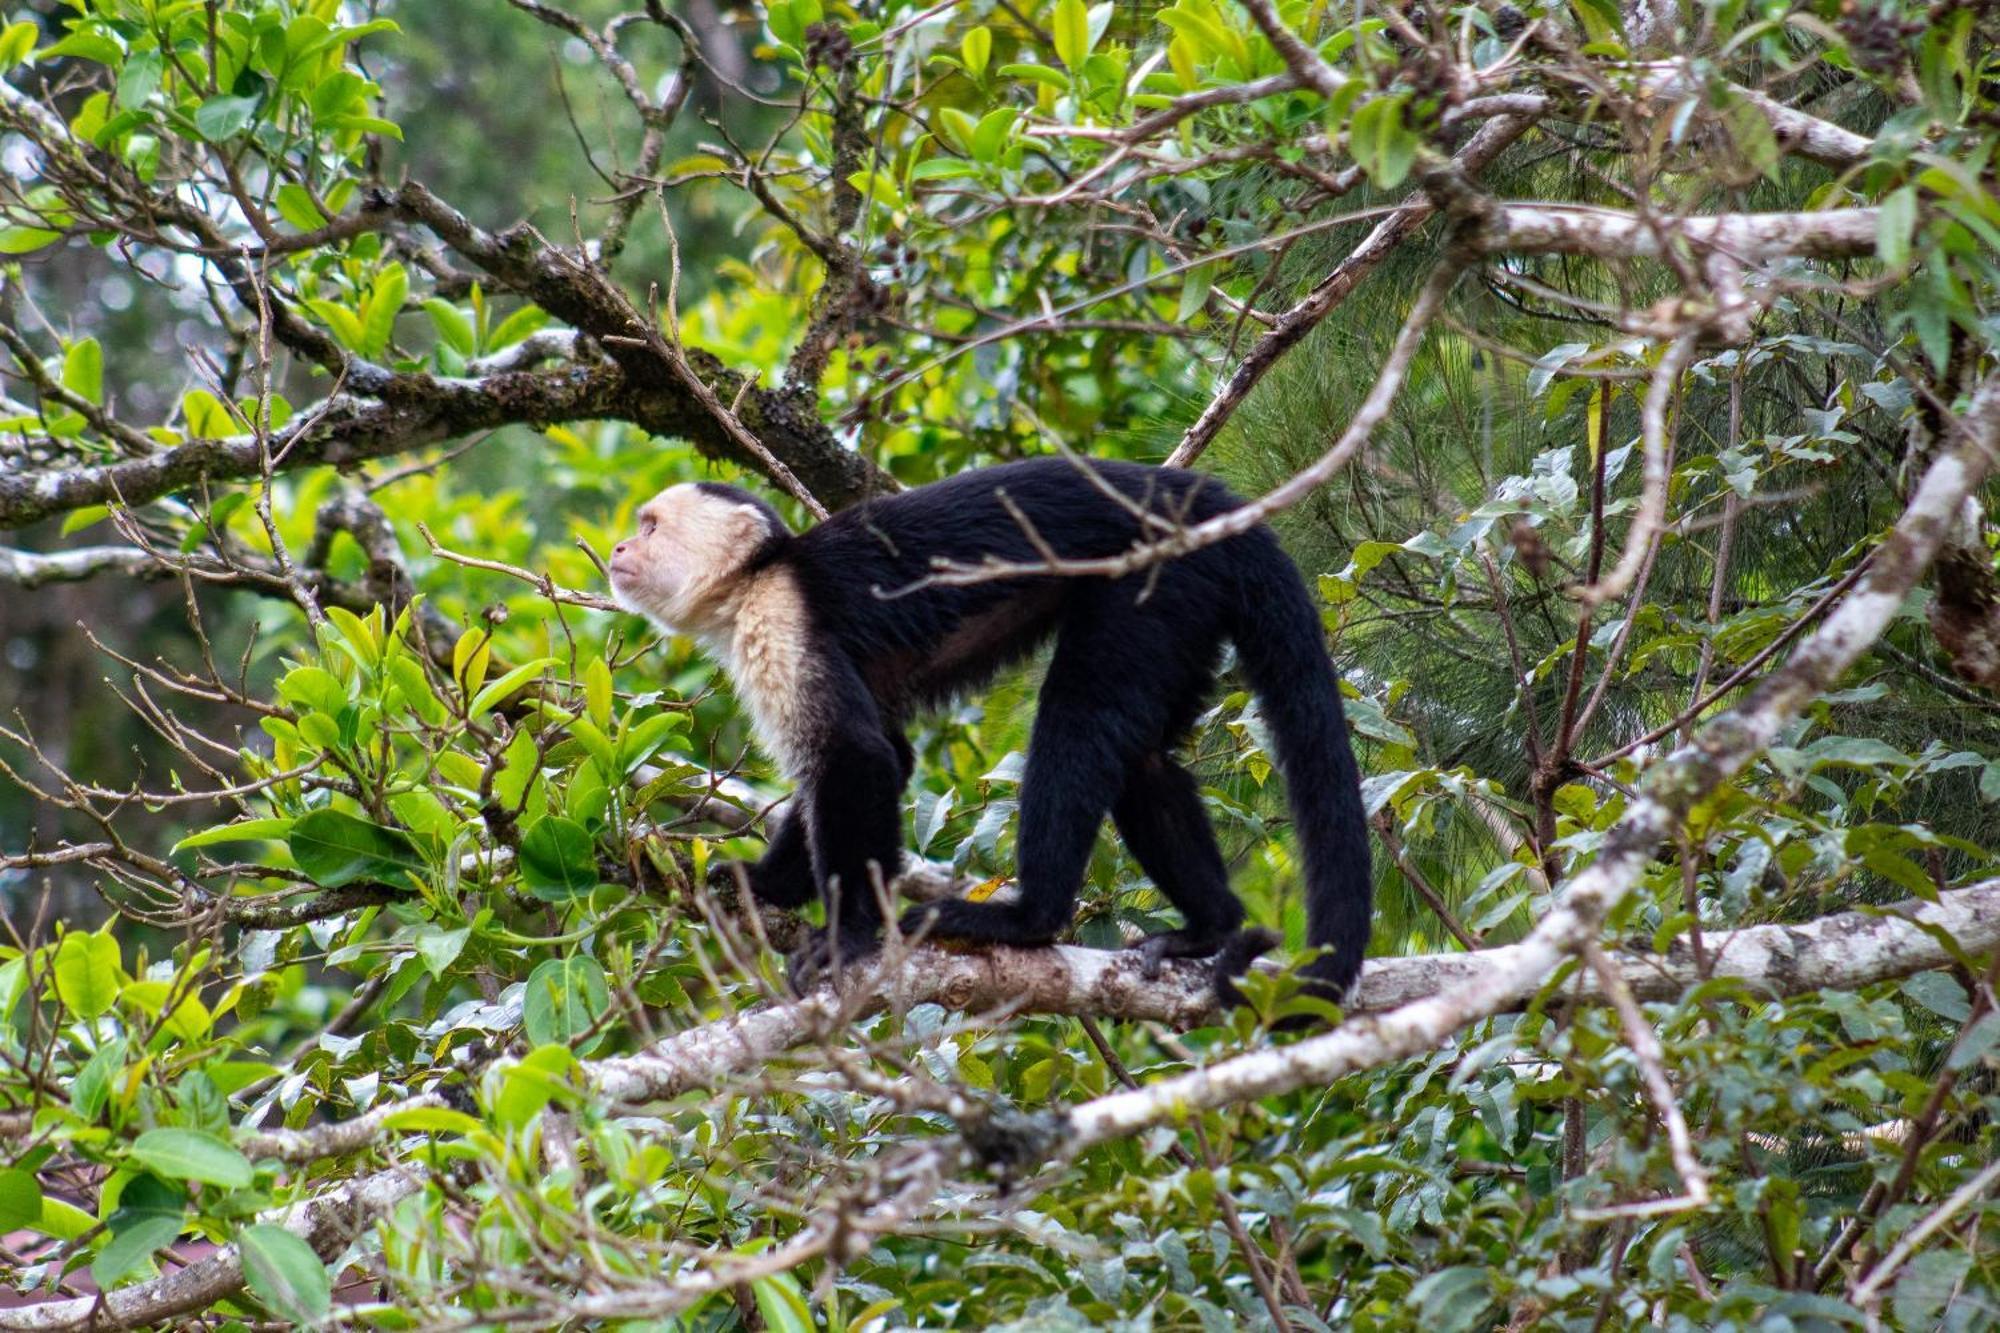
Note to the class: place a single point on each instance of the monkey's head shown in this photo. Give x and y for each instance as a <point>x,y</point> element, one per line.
<point>695,544</point>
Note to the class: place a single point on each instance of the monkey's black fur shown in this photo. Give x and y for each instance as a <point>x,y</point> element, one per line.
<point>1135,659</point>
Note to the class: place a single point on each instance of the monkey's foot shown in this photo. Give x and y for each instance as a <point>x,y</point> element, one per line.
<point>1233,955</point>
<point>824,954</point>
<point>1156,949</point>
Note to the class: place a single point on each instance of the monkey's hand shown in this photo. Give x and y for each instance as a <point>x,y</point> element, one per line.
<point>726,876</point>
<point>825,954</point>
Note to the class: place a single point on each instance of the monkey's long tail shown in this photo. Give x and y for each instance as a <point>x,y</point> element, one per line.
<point>1283,652</point>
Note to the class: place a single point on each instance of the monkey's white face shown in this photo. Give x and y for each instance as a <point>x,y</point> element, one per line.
<point>686,559</point>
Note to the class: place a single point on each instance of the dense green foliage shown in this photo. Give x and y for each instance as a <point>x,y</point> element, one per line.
<point>359,846</point>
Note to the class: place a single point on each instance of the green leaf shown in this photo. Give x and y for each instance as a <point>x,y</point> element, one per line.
<point>564,996</point>
<point>189,1020</point>
<point>86,45</point>
<point>83,369</point>
<point>1041,74</point>
<point>1071,32</point>
<point>249,830</point>
<point>1940,993</point>
<point>26,240</point>
<point>417,691</point>
<point>189,1154</point>
<point>1989,782</point>
<point>440,948</point>
<point>333,848</point>
<point>990,135</point>
<point>20,1199</point>
<point>285,1274</point>
<point>1975,1042</point>
<point>91,1088</point>
<point>644,740</point>
<point>206,416</point>
<point>558,859</point>
<point>1750,132</point>
<point>597,691</point>
<point>223,118</point>
<point>87,973</point>
<point>313,689</point>
<point>361,638</point>
<point>1194,293</point>
<point>785,25</point>
<point>78,520</point>
<point>1929,1285</point>
<point>232,1076</point>
<point>507,685</point>
<point>976,50</point>
<point>338,93</point>
<point>453,328</point>
<point>132,1247</point>
<point>1453,1299</point>
<point>470,657</point>
<point>295,205</point>
<point>781,1303</point>
<point>64,1221</point>
<point>959,127</point>
<point>18,42</point>
<point>139,80</point>
<point>1381,143</point>
<point>1602,20</point>
<point>346,325</point>
<point>1863,752</point>
<point>367,125</point>
<point>432,1120</point>
<point>384,303</point>
<point>1894,225</point>
<point>528,319</point>
<point>526,1087</point>
<point>942,169</point>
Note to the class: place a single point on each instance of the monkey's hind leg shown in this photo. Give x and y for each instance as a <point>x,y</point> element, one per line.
<point>1089,728</point>
<point>1160,816</point>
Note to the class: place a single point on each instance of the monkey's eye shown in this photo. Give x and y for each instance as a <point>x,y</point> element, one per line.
<point>646,526</point>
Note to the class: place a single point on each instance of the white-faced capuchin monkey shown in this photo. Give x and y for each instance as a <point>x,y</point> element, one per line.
<point>834,650</point>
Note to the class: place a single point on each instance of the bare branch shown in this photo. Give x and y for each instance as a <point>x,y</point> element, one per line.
<point>1292,327</point>
<point>30,569</point>
<point>1606,233</point>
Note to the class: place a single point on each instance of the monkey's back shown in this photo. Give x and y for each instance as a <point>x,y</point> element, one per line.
<point>864,571</point>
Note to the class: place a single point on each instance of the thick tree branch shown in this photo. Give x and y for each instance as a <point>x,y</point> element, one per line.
<point>327,1223</point>
<point>580,294</point>
<point>413,411</point>
<point>1575,229</point>
<point>1846,950</point>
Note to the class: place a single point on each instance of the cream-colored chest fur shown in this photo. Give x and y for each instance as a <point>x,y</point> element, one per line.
<point>769,660</point>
